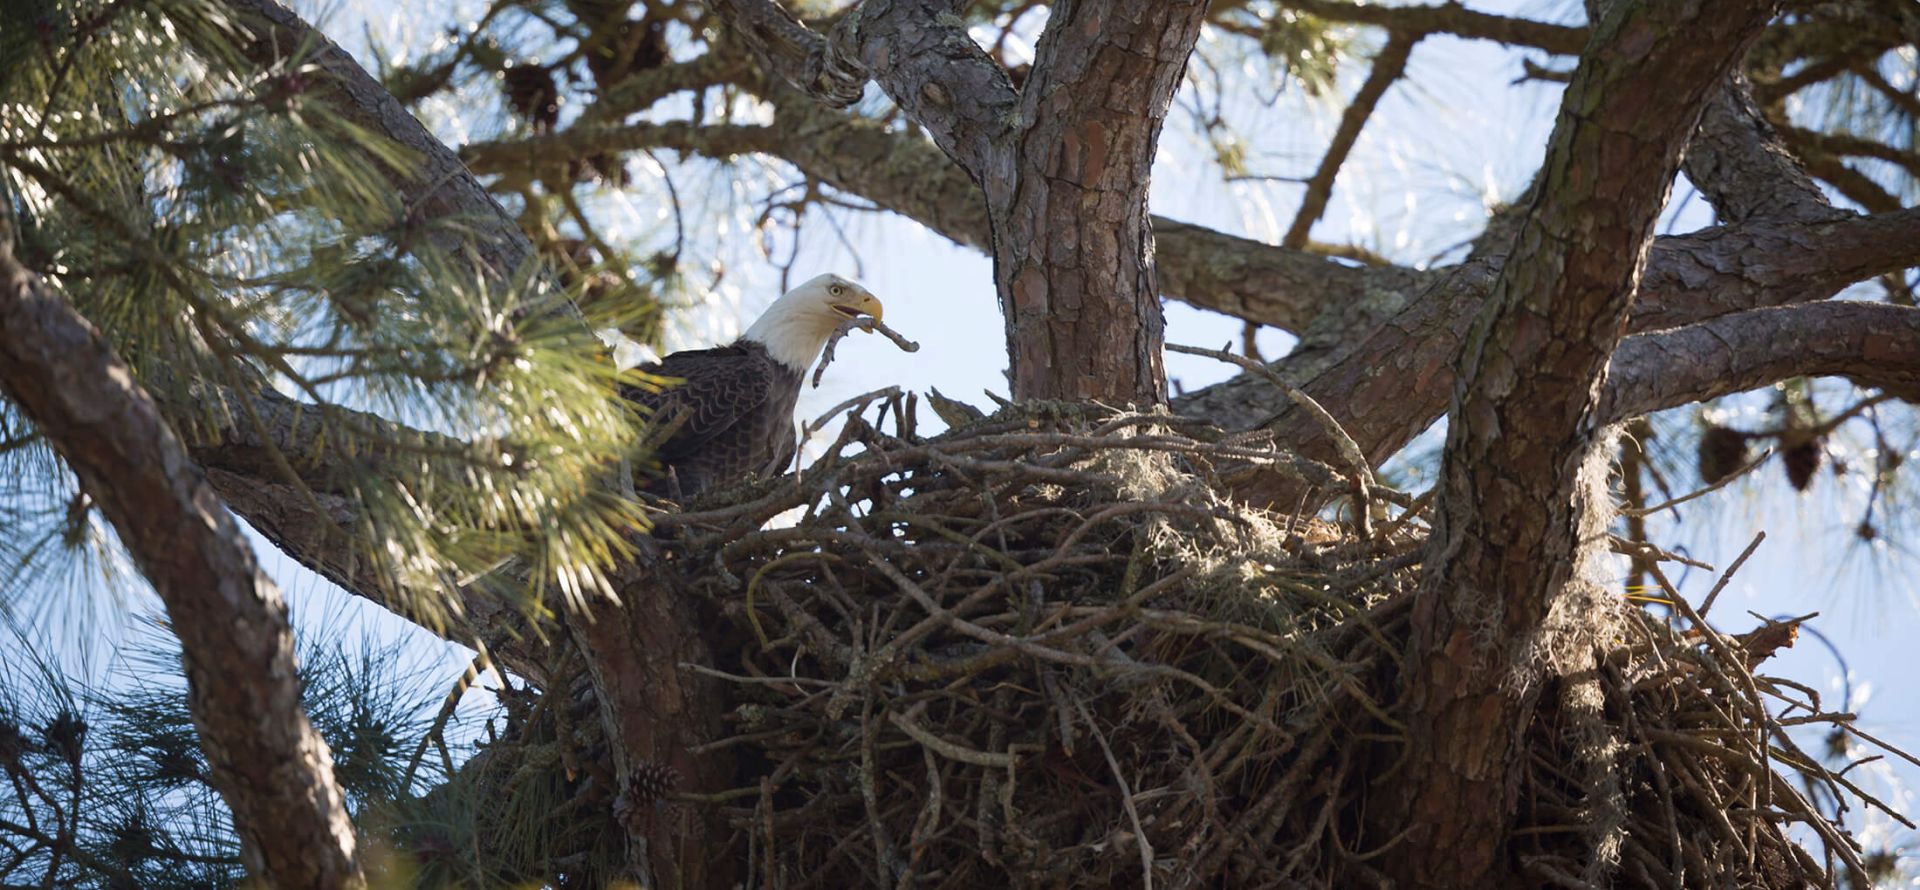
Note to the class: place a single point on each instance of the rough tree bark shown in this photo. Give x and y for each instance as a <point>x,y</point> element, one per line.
<point>1072,242</point>
<point>1553,300</point>
<point>1521,510</point>
<point>267,761</point>
<point>1876,345</point>
<point>1063,163</point>
<point>658,713</point>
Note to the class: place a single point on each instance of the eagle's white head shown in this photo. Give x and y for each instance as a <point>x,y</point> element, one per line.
<point>798,324</point>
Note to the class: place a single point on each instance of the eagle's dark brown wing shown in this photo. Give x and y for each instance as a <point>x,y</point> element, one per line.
<point>733,407</point>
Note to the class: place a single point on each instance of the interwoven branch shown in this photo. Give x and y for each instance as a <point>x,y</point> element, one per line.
<point>1041,651</point>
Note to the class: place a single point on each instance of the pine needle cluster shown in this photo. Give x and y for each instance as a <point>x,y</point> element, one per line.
<point>238,239</point>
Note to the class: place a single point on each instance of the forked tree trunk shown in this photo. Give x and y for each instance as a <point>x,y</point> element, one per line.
<point>1522,505</point>
<point>1063,163</point>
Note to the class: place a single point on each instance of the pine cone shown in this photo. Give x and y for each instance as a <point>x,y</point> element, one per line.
<point>1722,451</point>
<point>1801,461</point>
<point>652,781</point>
<point>532,94</point>
<point>645,793</point>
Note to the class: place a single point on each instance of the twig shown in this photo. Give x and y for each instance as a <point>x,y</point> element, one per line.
<point>1724,482</point>
<point>1126,796</point>
<point>950,750</point>
<point>1350,450</point>
<point>1643,549</point>
<point>1728,574</point>
<point>865,323</point>
<point>859,402</point>
<point>1388,66</point>
<point>446,712</point>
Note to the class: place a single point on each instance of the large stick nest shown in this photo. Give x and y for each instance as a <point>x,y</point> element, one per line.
<point>1045,651</point>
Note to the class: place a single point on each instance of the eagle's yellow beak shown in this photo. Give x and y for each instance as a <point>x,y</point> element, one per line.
<point>860,303</point>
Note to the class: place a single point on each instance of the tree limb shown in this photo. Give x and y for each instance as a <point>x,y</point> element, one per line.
<point>1518,514</point>
<point>921,54</point>
<point>316,525</point>
<point>548,156</point>
<point>1449,18</point>
<point>1873,344</point>
<point>1388,66</point>
<point>825,68</point>
<point>1394,381</point>
<point>1742,168</point>
<point>269,764</point>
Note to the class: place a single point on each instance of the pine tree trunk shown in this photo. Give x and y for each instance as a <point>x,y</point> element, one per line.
<point>657,713</point>
<point>1072,239</point>
<point>1508,596</point>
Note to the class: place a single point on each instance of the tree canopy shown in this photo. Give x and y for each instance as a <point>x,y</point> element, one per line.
<point>241,274</point>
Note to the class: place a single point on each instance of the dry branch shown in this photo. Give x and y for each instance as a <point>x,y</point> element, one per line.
<point>864,323</point>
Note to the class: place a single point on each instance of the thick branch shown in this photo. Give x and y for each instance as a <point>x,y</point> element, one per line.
<point>826,69</point>
<point>916,50</point>
<point>1873,344</point>
<point>920,53</point>
<point>1740,165</point>
<point>1767,263</point>
<point>269,764</point>
<point>1449,18</point>
<point>1517,516</point>
<point>1395,381</point>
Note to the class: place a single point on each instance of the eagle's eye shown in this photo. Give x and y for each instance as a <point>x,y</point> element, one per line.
<point>836,290</point>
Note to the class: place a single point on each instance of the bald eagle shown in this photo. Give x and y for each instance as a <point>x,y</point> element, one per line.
<point>730,413</point>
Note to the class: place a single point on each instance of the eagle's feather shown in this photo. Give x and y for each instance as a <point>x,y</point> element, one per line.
<point>726,414</point>
<point>732,412</point>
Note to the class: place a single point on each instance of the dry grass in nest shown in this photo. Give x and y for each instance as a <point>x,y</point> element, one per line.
<point>1042,652</point>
